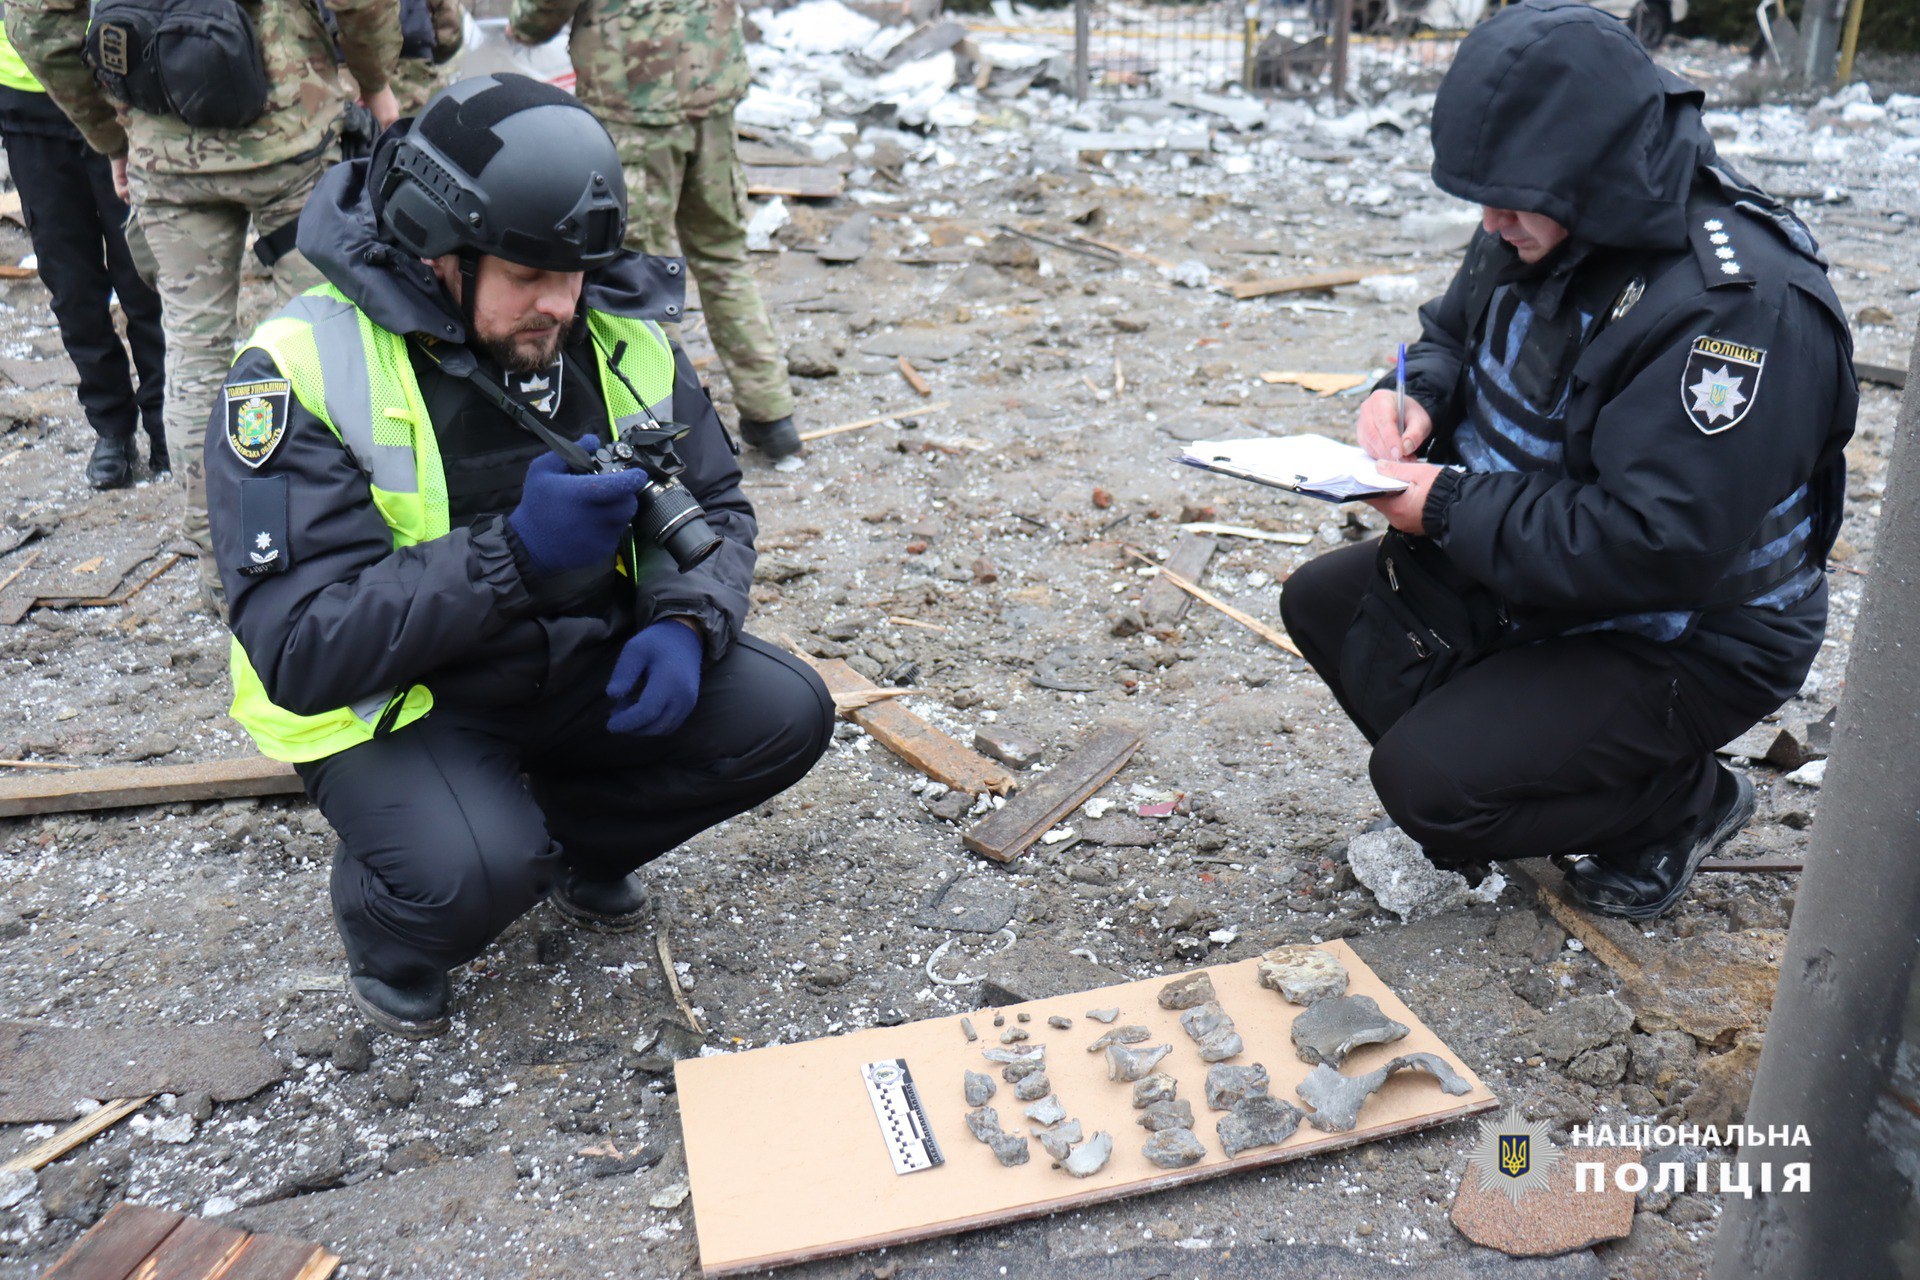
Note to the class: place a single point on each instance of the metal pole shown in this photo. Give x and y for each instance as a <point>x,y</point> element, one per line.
<point>1342,24</point>
<point>1842,1051</point>
<point>1820,40</point>
<point>1080,41</point>
<point>1850,42</point>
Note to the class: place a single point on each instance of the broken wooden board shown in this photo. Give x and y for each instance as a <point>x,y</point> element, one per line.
<point>1163,604</point>
<point>1008,831</point>
<point>1321,384</point>
<point>134,1240</point>
<point>913,739</point>
<point>798,182</point>
<point>45,1070</point>
<point>827,1186</point>
<point>1885,374</point>
<point>77,1134</point>
<point>1192,140</point>
<point>122,786</point>
<point>1316,283</point>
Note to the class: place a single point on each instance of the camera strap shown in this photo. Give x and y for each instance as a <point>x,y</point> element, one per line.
<point>460,362</point>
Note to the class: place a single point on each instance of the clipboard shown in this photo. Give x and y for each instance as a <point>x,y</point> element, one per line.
<point>1344,473</point>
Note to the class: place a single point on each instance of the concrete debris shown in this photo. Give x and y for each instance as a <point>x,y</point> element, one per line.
<point>1302,974</point>
<point>1090,1157</point>
<point>1185,993</point>
<point>1015,1072</point>
<point>980,1089</point>
<point>1228,1086</point>
<point>1404,882</point>
<point>1158,1087</point>
<point>1174,1148</point>
<point>1210,1028</point>
<point>1336,1099</point>
<point>1258,1121</point>
<point>1170,1114</point>
<point>1127,1065</point>
<point>1033,1088</point>
<point>765,220</point>
<point>1331,1029</point>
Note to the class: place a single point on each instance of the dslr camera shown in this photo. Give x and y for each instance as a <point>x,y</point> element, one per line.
<point>669,516</point>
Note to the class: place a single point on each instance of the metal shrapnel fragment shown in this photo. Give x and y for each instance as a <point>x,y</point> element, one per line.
<point>1047,1111</point>
<point>1302,975</point>
<point>1228,1086</point>
<point>1012,1035</point>
<point>1331,1029</point>
<point>1032,1053</point>
<point>980,1089</point>
<point>1185,993</point>
<point>1260,1121</point>
<point>1015,1072</point>
<point>1172,1114</point>
<point>966,1028</point>
<point>1009,1150</point>
<point>1090,1157</point>
<point>1103,1015</point>
<point>1059,1140</point>
<point>1033,1088</point>
<point>1336,1099</point>
<point>1129,1034</point>
<point>1158,1087</point>
<point>1127,1065</point>
<point>1060,1022</point>
<point>1174,1148</point>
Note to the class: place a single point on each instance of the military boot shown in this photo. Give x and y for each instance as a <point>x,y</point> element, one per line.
<point>1646,883</point>
<point>604,906</point>
<point>778,439</point>
<point>111,466</point>
<point>413,1011</point>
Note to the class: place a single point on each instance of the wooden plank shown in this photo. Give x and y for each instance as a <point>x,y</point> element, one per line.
<point>195,1250</point>
<point>778,1208</point>
<point>1318,282</point>
<point>1886,374</point>
<point>80,1131</point>
<point>1613,942</point>
<point>913,739</point>
<point>18,273</point>
<point>117,1244</point>
<point>914,380</point>
<point>121,786</point>
<point>281,1258</point>
<point>799,182</point>
<point>1164,604</point>
<point>861,424</point>
<point>1003,834</point>
<point>1247,620</point>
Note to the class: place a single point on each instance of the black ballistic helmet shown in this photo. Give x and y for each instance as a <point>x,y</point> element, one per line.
<point>508,166</point>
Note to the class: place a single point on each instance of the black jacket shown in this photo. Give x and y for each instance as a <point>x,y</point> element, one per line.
<point>1554,108</point>
<point>342,613</point>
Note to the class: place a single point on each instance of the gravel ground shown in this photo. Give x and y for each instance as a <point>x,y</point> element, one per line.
<point>957,548</point>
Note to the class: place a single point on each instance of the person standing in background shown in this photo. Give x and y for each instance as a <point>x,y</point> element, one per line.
<point>664,76</point>
<point>432,33</point>
<point>76,222</point>
<point>196,186</point>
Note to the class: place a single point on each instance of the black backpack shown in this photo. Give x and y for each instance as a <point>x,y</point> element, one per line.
<point>196,60</point>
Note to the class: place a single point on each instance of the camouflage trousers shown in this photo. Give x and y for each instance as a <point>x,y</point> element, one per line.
<point>684,182</point>
<point>414,80</point>
<point>195,226</point>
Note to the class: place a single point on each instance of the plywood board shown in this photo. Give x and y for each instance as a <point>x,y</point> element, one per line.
<point>799,182</point>
<point>787,1164</point>
<point>119,786</point>
<point>913,739</point>
<point>1006,832</point>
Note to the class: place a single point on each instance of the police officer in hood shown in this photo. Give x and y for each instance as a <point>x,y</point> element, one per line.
<point>1622,448</point>
<point>494,688</point>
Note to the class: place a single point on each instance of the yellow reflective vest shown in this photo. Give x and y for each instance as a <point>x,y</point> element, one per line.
<point>13,72</point>
<point>356,377</point>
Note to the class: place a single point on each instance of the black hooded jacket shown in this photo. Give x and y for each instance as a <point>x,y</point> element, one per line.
<point>343,613</point>
<point>1682,298</point>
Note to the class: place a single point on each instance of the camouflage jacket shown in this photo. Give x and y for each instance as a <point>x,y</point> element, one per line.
<point>302,109</point>
<point>645,62</point>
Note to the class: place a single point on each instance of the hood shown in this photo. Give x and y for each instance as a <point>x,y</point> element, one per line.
<point>1552,107</point>
<point>339,236</point>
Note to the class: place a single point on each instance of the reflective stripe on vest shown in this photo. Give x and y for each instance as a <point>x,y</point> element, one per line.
<point>357,379</point>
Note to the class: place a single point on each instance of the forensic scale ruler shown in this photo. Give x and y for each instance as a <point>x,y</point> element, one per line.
<point>904,1125</point>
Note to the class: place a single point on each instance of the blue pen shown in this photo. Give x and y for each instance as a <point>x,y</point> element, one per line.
<point>1400,392</point>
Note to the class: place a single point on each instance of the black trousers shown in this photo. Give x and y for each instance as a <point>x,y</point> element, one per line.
<point>76,223</point>
<point>455,826</point>
<point>1594,743</point>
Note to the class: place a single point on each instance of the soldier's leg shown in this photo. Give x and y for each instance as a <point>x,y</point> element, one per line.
<point>67,231</point>
<point>712,221</point>
<point>196,236</point>
<point>654,160</point>
<point>276,195</point>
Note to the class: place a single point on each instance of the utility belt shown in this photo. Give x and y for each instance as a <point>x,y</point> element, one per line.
<point>197,61</point>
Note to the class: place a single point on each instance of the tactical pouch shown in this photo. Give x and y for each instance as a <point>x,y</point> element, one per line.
<point>1419,623</point>
<point>196,60</point>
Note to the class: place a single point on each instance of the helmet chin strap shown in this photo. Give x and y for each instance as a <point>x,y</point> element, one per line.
<point>469,290</point>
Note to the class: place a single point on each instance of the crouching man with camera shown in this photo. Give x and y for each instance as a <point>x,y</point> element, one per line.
<point>486,550</point>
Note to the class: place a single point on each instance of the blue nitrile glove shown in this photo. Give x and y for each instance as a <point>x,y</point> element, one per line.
<point>566,520</point>
<point>663,664</point>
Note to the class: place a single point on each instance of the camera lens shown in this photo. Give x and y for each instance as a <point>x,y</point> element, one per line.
<point>671,519</point>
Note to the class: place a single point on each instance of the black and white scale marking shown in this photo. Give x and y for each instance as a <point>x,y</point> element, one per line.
<point>903,1119</point>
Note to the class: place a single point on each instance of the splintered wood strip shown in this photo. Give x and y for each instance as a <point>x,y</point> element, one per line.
<point>854,700</point>
<point>121,786</point>
<point>102,602</point>
<point>280,1258</point>
<point>195,1250</point>
<point>861,424</point>
<point>1003,834</point>
<point>826,1188</point>
<point>10,272</point>
<point>914,380</point>
<point>40,764</point>
<point>1318,282</point>
<point>913,739</point>
<point>117,1244</point>
<point>20,568</point>
<point>1212,601</point>
<point>673,981</point>
<point>1163,604</point>
<point>79,1132</point>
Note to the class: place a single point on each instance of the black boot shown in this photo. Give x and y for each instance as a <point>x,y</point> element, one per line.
<point>1647,882</point>
<point>158,462</point>
<point>416,1011</point>
<point>777,440</point>
<point>111,466</point>
<point>604,906</point>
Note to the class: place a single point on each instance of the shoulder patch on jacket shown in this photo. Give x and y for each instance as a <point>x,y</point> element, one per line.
<point>1720,382</point>
<point>256,418</point>
<point>263,518</point>
<point>1716,245</point>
